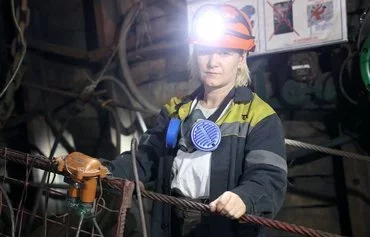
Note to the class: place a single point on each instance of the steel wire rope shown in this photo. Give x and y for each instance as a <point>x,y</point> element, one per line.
<point>327,150</point>
<point>279,225</point>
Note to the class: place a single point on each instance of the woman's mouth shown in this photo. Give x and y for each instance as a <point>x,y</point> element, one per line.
<point>212,73</point>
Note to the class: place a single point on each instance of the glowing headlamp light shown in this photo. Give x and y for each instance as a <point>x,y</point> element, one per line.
<point>209,26</point>
<point>222,26</point>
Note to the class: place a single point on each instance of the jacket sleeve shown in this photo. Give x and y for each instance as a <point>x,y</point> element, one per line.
<point>151,147</point>
<point>263,183</point>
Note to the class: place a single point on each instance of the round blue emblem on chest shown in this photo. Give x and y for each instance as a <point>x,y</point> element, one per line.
<point>205,135</point>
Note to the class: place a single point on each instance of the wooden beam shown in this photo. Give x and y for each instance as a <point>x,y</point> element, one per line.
<point>357,180</point>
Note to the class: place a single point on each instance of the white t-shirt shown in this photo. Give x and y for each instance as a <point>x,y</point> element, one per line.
<point>191,171</point>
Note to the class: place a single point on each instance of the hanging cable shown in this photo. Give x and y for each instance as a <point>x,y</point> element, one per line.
<point>45,176</point>
<point>131,99</point>
<point>128,107</point>
<point>349,57</point>
<point>11,210</point>
<point>144,22</point>
<point>137,182</point>
<point>102,72</point>
<point>103,77</point>
<point>362,26</point>
<point>124,64</point>
<point>55,131</point>
<point>117,122</point>
<point>79,225</point>
<point>23,53</point>
<point>23,198</point>
<point>60,92</point>
<point>141,121</point>
<point>120,85</point>
<point>97,227</point>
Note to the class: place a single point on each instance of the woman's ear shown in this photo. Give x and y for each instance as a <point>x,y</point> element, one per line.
<point>242,58</point>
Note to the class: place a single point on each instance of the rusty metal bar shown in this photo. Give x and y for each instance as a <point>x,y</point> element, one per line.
<point>127,189</point>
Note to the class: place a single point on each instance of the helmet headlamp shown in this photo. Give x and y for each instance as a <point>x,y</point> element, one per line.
<point>222,26</point>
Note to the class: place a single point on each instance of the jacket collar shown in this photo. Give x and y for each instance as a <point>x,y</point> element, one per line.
<point>241,95</point>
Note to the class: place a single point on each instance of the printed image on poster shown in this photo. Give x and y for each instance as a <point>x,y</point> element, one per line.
<point>320,15</point>
<point>283,17</point>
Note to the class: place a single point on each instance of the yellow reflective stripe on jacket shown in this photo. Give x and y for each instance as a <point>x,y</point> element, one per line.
<point>171,105</point>
<point>240,112</point>
<point>237,113</point>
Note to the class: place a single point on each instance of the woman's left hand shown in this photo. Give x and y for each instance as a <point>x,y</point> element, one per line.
<point>229,204</point>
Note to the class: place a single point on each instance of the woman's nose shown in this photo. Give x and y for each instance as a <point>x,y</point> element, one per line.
<point>213,60</point>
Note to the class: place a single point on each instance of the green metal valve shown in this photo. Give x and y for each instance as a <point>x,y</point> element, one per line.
<point>79,208</point>
<point>365,63</point>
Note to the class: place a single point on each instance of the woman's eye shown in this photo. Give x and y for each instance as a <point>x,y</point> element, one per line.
<point>204,52</point>
<point>225,53</point>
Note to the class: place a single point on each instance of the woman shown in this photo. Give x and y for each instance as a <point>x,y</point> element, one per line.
<point>239,167</point>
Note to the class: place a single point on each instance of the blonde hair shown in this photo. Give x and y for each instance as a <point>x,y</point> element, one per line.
<point>242,76</point>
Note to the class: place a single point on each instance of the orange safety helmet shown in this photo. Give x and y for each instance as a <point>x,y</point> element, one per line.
<point>222,25</point>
